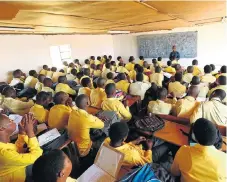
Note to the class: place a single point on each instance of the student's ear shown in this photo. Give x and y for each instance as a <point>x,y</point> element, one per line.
<point>61,174</point>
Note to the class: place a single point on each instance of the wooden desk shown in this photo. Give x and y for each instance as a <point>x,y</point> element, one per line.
<point>132,100</point>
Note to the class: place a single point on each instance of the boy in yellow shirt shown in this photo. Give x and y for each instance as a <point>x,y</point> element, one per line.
<point>44,70</point>
<point>130,65</point>
<point>17,75</point>
<point>110,78</point>
<point>113,104</point>
<point>59,114</point>
<point>98,61</point>
<point>39,110</point>
<point>141,70</point>
<point>47,86</point>
<point>80,123</point>
<point>196,71</point>
<point>57,74</point>
<point>39,84</point>
<point>176,87</point>
<point>157,77</point>
<point>113,66</point>
<point>86,89</point>
<point>98,71</point>
<point>122,69</point>
<point>106,70</point>
<point>14,158</point>
<point>123,83</point>
<point>31,80</point>
<point>62,86</point>
<point>201,162</point>
<point>86,64</point>
<point>98,95</point>
<point>208,77</point>
<point>169,68</point>
<point>72,76</point>
<point>187,78</point>
<point>222,72</point>
<point>141,61</point>
<point>160,64</point>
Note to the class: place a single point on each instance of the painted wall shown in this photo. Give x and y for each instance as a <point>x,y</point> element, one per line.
<point>212,44</point>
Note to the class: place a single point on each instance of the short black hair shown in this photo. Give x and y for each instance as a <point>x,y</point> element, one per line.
<point>98,66</point>
<point>62,79</point>
<point>136,66</point>
<point>118,132</point>
<point>110,75</point>
<point>110,57</point>
<point>79,100</point>
<point>92,57</point>
<point>195,62</point>
<point>59,97</point>
<point>110,88</point>
<point>159,58</point>
<point>74,71</point>
<point>207,69</point>
<point>140,69</point>
<point>86,71</point>
<point>87,61</point>
<point>17,73</point>
<point>54,69</point>
<point>158,69</point>
<point>45,67</point>
<point>221,94</point>
<point>41,77</point>
<point>62,71</point>
<point>222,80</point>
<point>43,96</point>
<point>108,65</point>
<point>178,77</point>
<point>169,63</point>
<point>101,82</point>
<point>32,73</point>
<point>141,58</point>
<point>112,63</point>
<point>99,58</point>
<point>131,58</point>
<point>85,82</point>
<point>223,69</point>
<point>139,77</point>
<point>212,67</point>
<point>195,80</point>
<point>79,74</point>
<point>154,61</point>
<point>47,82</point>
<point>162,93</point>
<point>121,76</point>
<point>47,167</point>
<point>76,61</point>
<point>118,58</point>
<point>205,132</point>
<point>190,69</point>
<point>9,92</point>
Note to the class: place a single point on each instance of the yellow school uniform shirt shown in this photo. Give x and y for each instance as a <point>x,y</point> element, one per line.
<point>14,160</point>
<point>43,72</point>
<point>85,76</point>
<point>196,70</point>
<point>38,86</point>
<point>159,107</point>
<point>185,107</point>
<point>58,116</point>
<point>104,73</point>
<point>222,74</point>
<point>160,64</point>
<point>134,155</point>
<point>56,76</point>
<point>84,90</point>
<point>187,78</point>
<point>113,104</point>
<point>123,85</point>
<point>170,69</point>
<point>39,113</point>
<point>132,75</point>
<point>122,69</point>
<point>97,62</point>
<point>64,88</point>
<point>129,66</point>
<point>30,81</point>
<point>97,73</point>
<point>174,62</point>
<point>140,62</point>
<point>16,106</point>
<point>177,88</point>
<point>69,179</point>
<point>65,68</point>
<point>222,87</point>
<point>157,78</point>
<point>146,70</point>
<point>49,74</point>
<point>69,70</point>
<point>208,78</point>
<point>70,77</point>
<point>109,81</point>
<point>113,68</point>
<point>97,96</point>
<point>199,164</point>
<point>48,89</point>
<point>145,78</point>
<point>80,123</point>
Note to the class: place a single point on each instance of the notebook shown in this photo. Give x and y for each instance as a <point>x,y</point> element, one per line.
<point>48,136</point>
<point>106,166</point>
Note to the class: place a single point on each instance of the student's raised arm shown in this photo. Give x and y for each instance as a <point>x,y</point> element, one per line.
<point>124,112</point>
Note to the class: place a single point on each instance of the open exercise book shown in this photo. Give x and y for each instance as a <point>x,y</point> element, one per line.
<point>106,166</point>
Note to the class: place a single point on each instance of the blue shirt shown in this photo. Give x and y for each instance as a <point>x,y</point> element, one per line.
<point>174,54</point>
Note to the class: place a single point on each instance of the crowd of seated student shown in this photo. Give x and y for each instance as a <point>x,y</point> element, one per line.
<point>96,84</point>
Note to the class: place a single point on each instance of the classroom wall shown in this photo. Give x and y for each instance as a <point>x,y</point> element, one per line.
<point>32,51</point>
<point>212,44</point>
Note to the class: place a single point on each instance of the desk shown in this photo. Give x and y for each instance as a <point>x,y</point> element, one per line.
<point>132,100</point>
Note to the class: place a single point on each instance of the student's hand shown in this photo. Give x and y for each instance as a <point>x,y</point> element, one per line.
<point>28,119</point>
<point>149,144</point>
<point>126,102</point>
<point>138,140</point>
<point>21,128</point>
<point>173,94</point>
<point>69,102</point>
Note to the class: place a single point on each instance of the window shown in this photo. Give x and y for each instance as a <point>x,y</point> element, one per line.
<point>60,53</point>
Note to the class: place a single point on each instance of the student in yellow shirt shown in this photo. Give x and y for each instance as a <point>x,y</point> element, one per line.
<point>107,70</point>
<point>98,95</point>
<point>54,166</point>
<point>159,106</point>
<point>130,65</point>
<point>133,73</point>
<point>110,78</point>
<point>79,131</point>
<point>71,66</point>
<point>86,89</point>
<point>187,78</point>
<point>86,64</point>
<point>160,64</point>
<point>113,66</point>
<point>201,162</point>
<point>213,72</point>
<point>56,75</point>
<point>14,158</point>
<point>208,77</point>
<point>141,70</point>
<point>196,70</point>
<point>141,61</point>
<point>98,61</point>
<point>92,60</point>
<point>87,74</point>
<point>39,110</point>
<point>113,104</point>
<point>123,83</point>
<point>14,105</point>
<point>146,67</point>
<point>77,64</point>
<point>169,68</point>
<point>119,60</point>
<point>222,72</point>
<point>110,58</point>
<point>62,86</point>
<point>47,86</point>
<point>98,71</point>
<point>59,114</point>
<point>39,84</point>
<point>31,80</point>
<point>72,76</point>
<point>203,88</point>
<point>122,69</point>
<point>185,107</point>
<point>176,87</point>
<point>66,65</point>
<point>17,75</point>
<point>157,77</point>
<point>44,70</point>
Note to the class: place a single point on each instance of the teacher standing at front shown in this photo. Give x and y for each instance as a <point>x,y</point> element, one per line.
<point>174,54</point>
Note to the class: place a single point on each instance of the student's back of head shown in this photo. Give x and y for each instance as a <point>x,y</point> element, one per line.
<point>222,80</point>
<point>154,61</point>
<point>54,69</point>
<point>79,75</point>
<point>159,58</point>
<point>121,76</point>
<point>17,73</point>
<point>62,71</point>
<point>86,82</point>
<point>121,64</point>
<point>212,67</point>
<point>158,69</point>
<point>195,80</point>
<point>110,76</point>
<point>145,64</point>
<point>81,101</point>
<point>162,93</point>
<point>139,77</point>
<point>76,61</point>
<point>119,58</point>
<point>113,63</point>
<point>45,67</point>
<point>61,98</point>
<point>140,69</point>
<point>169,63</point>
<point>73,72</point>
<point>32,73</point>
<point>98,67</point>
<point>190,69</point>
<point>141,58</point>
<point>9,92</point>
<point>43,98</point>
<point>41,78</point>
<point>223,69</point>
<point>207,69</point>
<point>109,57</point>
<point>195,62</point>
<point>86,71</point>
<point>136,67</point>
<point>47,82</point>
<point>193,91</point>
<point>131,59</point>
<point>99,58</point>
<point>107,61</point>
<point>62,79</point>
<point>53,166</point>
<point>92,57</point>
<point>178,77</point>
<point>101,82</point>
<point>108,65</point>
<point>87,61</point>
<point>205,132</point>
<point>110,89</point>
<point>118,132</point>
<point>93,66</point>
<point>218,93</point>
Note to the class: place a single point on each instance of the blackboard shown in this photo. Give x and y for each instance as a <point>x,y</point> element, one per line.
<point>155,45</point>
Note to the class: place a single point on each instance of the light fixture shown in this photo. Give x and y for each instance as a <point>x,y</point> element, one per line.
<point>4,28</point>
<point>118,32</point>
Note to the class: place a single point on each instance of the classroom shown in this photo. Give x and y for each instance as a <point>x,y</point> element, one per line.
<point>113,91</point>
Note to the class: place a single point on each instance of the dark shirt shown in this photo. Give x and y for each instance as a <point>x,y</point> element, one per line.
<point>174,54</point>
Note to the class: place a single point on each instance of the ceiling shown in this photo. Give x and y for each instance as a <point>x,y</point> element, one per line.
<point>98,17</point>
